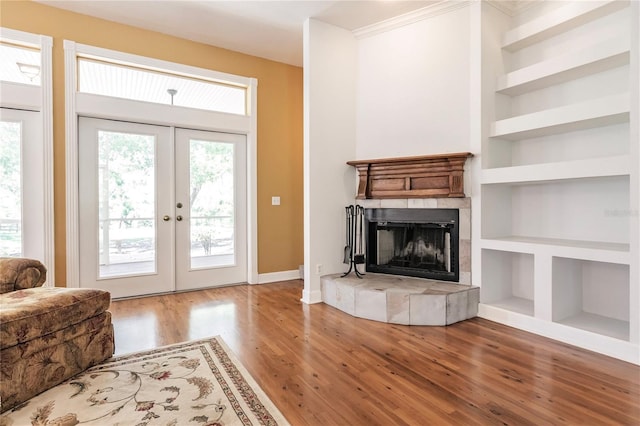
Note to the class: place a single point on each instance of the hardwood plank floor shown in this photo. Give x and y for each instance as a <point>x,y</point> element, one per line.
<point>321,366</point>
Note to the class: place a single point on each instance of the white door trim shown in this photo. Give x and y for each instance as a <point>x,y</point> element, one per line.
<point>105,107</point>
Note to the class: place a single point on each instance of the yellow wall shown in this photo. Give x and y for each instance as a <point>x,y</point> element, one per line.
<point>280,228</point>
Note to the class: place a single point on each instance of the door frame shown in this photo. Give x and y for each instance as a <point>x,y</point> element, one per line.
<point>40,100</point>
<point>77,104</point>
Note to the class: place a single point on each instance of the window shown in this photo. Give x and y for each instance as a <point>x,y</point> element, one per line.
<point>19,64</point>
<point>128,82</point>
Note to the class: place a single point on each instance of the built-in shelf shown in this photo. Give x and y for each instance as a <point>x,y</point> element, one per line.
<point>511,275</point>
<point>573,249</point>
<point>562,170</point>
<point>557,253</point>
<point>591,296</point>
<point>564,19</point>
<point>579,116</point>
<point>598,324</point>
<point>515,304</point>
<point>600,57</point>
<point>601,342</point>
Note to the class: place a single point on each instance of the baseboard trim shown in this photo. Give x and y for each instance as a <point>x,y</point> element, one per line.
<point>272,277</point>
<point>311,297</point>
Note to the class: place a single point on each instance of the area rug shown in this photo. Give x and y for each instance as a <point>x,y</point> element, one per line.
<point>192,383</point>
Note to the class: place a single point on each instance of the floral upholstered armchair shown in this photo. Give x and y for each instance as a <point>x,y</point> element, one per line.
<point>47,334</point>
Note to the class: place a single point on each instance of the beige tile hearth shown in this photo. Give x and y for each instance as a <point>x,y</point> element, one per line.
<point>401,300</point>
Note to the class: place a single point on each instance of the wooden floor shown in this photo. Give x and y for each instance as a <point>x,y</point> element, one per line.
<point>321,366</point>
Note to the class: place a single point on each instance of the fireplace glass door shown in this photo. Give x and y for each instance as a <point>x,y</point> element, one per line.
<point>413,242</point>
<point>416,245</point>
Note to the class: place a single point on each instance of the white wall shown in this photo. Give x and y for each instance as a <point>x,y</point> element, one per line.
<point>413,89</point>
<point>329,142</point>
<point>634,151</point>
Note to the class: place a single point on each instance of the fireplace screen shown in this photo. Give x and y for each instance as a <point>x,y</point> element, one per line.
<point>413,242</point>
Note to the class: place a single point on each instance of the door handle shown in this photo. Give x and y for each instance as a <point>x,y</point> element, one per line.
<point>179,218</point>
<point>166,218</point>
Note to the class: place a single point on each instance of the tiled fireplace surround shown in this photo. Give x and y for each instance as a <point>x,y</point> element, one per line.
<point>405,300</point>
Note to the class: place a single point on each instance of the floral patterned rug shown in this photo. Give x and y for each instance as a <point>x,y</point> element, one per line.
<point>194,383</point>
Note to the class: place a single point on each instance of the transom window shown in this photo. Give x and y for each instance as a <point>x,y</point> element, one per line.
<point>123,81</point>
<point>19,64</point>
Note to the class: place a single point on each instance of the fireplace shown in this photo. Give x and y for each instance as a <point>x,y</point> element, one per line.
<point>413,242</point>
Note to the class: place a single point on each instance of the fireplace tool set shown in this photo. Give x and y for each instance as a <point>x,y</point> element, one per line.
<point>354,239</point>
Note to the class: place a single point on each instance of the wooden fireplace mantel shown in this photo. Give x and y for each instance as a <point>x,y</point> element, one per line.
<point>428,176</point>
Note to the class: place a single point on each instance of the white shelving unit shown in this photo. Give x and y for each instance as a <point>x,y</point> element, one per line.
<point>562,20</point>
<point>577,291</point>
<point>584,115</point>
<point>585,250</point>
<point>561,170</point>
<point>601,57</point>
<point>557,183</point>
<point>511,274</point>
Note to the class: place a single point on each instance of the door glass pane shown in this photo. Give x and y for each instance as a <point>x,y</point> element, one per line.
<point>10,191</point>
<point>212,203</point>
<point>126,212</point>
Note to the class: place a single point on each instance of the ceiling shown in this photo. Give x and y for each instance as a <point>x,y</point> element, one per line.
<point>268,29</point>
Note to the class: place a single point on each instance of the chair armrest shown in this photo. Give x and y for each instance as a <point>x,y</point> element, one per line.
<point>21,273</point>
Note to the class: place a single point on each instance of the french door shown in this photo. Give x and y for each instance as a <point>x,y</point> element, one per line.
<point>22,178</point>
<point>161,209</point>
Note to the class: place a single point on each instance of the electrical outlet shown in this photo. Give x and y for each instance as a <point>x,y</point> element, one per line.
<point>318,268</point>
<point>275,201</point>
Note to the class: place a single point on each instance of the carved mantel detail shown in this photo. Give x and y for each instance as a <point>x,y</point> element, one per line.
<point>429,176</point>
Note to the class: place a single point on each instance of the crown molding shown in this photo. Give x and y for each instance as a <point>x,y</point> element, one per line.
<point>509,7</point>
<point>431,11</point>
<point>514,7</point>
